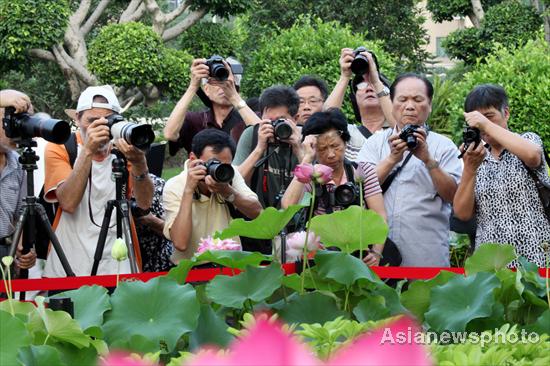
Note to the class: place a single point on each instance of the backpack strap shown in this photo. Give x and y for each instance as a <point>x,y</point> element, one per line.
<point>364,131</point>
<point>71,145</point>
<point>387,183</point>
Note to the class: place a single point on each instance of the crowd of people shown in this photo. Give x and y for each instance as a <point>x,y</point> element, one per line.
<point>412,176</point>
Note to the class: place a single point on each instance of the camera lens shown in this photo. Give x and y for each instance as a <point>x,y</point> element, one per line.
<point>219,72</point>
<point>411,141</point>
<point>345,194</point>
<point>282,129</point>
<point>140,136</point>
<point>53,130</point>
<point>221,172</point>
<point>360,65</point>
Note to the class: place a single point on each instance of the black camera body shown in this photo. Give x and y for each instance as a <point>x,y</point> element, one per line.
<point>282,130</point>
<point>216,68</point>
<point>23,126</point>
<point>470,135</point>
<point>137,211</point>
<point>407,135</point>
<point>360,64</point>
<point>140,136</point>
<point>346,194</point>
<point>221,172</point>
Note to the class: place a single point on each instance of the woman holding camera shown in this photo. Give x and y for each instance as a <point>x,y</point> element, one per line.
<point>498,184</point>
<point>325,137</point>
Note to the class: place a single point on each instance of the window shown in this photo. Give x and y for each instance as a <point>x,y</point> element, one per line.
<point>439,50</point>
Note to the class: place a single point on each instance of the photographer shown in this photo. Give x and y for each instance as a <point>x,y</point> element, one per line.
<point>497,187</point>
<point>369,97</point>
<point>419,172</point>
<point>226,109</point>
<point>83,190</point>
<point>268,152</point>
<point>313,92</point>
<point>13,188</point>
<point>196,201</point>
<point>326,134</point>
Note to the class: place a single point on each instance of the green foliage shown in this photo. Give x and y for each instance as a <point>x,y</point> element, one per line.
<point>27,24</point>
<point>205,39</point>
<point>211,329</point>
<point>524,73</point>
<point>490,258</point>
<point>173,77</point>
<point>232,258</point>
<point>223,8</point>
<point>90,303</point>
<point>443,10</point>
<point>13,335</point>
<point>509,23</point>
<point>39,356</point>
<point>343,268</point>
<point>309,308</point>
<point>308,47</point>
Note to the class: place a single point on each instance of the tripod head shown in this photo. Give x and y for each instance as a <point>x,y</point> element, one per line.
<point>119,166</point>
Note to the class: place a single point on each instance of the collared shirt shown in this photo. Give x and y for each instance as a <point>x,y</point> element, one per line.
<point>13,189</point>
<point>417,216</point>
<point>508,206</point>
<point>195,122</point>
<point>209,213</point>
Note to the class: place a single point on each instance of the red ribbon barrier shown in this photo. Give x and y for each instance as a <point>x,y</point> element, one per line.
<point>206,274</point>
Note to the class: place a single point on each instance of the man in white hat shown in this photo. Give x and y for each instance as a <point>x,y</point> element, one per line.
<point>83,190</point>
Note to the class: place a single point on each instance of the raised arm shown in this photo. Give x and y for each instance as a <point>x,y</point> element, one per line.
<point>336,97</point>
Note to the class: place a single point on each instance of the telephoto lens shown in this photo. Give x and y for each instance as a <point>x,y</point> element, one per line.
<point>221,172</point>
<point>140,136</point>
<point>346,194</point>
<point>282,129</point>
<point>360,64</point>
<point>19,126</point>
<point>407,135</point>
<point>216,68</point>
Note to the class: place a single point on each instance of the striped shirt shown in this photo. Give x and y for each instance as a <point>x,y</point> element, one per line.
<point>12,191</point>
<point>364,172</point>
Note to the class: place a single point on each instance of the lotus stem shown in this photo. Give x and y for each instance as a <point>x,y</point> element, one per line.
<point>305,259</point>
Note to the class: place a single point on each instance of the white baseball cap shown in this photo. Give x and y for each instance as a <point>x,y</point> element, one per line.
<point>86,100</point>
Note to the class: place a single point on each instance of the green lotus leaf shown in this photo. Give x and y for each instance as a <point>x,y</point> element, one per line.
<point>212,330</point>
<point>312,280</point>
<point>61,327</point>
<point>266,226</point>
<point>19,307</point>
<point>160,309</point>
<point>13,336</point>
<point>90,303</point>
<point>233,258</point>
<point>136,343</point>
<point>460,300</point>
<point>417,297</point>
<point>180,272</point>
<point>372,307</point>
<point>312,307</point>
<point>348,228</point>
<point>343,268</point>
<point>43,355</point>
<point>542,325</point>
<point>255,284</point>
<point>489,258</point>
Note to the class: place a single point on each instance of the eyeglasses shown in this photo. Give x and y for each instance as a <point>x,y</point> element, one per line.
<point>311,101</point>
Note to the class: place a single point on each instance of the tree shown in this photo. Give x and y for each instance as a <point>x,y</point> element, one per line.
<point>446,10</point>
<point>61,31</point>
<point>398,23</point>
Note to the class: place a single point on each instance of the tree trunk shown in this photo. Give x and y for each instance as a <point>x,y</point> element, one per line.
<point>478,11</point>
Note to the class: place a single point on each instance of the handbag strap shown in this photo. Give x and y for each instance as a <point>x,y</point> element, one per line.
<point>389,180</point>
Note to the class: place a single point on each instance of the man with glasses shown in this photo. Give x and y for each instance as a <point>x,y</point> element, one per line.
<point>313,92</point>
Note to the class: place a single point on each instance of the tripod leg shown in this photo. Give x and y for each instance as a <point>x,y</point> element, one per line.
<point>125,216</point>
<point>102,236</point>
<point>53,239</point>
<point>18,231</point>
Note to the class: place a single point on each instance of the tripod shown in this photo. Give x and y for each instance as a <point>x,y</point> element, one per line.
<point>31,208</point>
<point>120,175</point>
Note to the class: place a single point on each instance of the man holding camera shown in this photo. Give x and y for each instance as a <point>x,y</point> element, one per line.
<point>226,112</point>
<point>500,179</point>
<point>267,153</point>
<point>197,200</point>
<point>419,172</point>
<point>370,97</point>
<point>83,190</point>
<point>13,186</point>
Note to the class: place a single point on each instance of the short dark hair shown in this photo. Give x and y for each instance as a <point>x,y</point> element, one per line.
<point>486,96</point>
<point>217,139</point>
<point>321,122</point>
<point>280,96</point>
<point>412,75</point>
<point>309,80</point>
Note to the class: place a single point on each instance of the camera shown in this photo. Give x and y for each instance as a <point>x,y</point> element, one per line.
<point>216,68</point>
<point>221,172</point>
<point>470,135</point>
<point>21,126</point>
<point>346,194</point>
<point>360,63</point>
<point>140,136</point>
<point>137,211</point>
<point>407,135</point>
<point>282,129</point>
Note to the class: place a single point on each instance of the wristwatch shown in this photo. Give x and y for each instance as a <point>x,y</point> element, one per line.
<point>230,198</point>
<point>384,92</point>
<point>432,164</point>
<point>240,105</point>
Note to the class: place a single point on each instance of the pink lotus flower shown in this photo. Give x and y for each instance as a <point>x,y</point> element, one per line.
<point>319,173</point>
<point>267,344</point>
<point>295,244</point>
<point>216,244</point>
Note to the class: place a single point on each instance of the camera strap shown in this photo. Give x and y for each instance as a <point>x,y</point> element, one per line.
<point>364,131</point>
<point>543,188</point>
<point>389,180</point>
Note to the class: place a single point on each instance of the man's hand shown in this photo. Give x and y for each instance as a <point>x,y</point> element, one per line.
<point>295,140</point>
<point>266,133</point>
<point>309,146</point>
<point>476,119</point>
<point>223,189</point>
<point>421,151</point>
<point>372,259</point>
<point>134,155</point>
<point>13,98</point>
<point>373,77</point>
<point>195,173</point>
<point>346,58</point>
<point>397,148</point>
<point>97,135</point>
<point>199,70</point>
<point>474,156</point>
<point>25,261</point>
